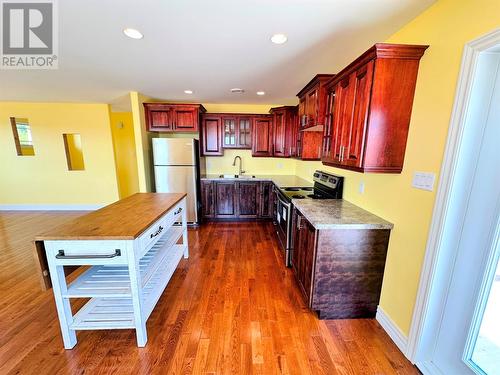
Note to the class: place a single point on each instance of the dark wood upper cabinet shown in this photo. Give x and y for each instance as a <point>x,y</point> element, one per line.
<point>211,135</point>
<point>167,117</point>
<point>158,117</point>
<point>229,131</point>
<point>244,127</point>
<point>285,131</point>
<point>237,131</point>
<point>309,145</point>
<point>312,102</point>
<point>262,136</point>
<point>311,118</point>
<point>369,109</point>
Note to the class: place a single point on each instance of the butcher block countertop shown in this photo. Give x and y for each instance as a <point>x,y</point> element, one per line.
<point>338,214</point>
<point>125,219</point>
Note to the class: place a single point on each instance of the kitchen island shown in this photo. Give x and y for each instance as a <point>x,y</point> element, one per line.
<point>338,257</point>
<point>131,248</point>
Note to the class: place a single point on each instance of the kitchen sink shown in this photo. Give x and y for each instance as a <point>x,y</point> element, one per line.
<point>241,176</point>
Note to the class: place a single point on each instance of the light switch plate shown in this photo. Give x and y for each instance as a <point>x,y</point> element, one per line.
<point>361,188</point>
<point>423,180</point>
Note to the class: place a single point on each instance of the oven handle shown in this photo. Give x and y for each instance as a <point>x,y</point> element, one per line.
<point>286,204</point>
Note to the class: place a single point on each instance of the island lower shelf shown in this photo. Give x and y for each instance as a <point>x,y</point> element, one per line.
<point>111,306</point>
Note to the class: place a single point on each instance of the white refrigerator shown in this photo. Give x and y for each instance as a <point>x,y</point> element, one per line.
<point>177,168</point>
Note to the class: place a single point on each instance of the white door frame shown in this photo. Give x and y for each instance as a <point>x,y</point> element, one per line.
<point>433,284</point>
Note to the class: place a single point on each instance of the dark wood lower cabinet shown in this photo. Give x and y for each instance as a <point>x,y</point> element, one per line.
<point>248,199</point>
<point>225,199</point>
<point>339,271</point>
<point>266,199</point>
<point>304,253</point>
<point>207,199</point>
<point>236,199</point>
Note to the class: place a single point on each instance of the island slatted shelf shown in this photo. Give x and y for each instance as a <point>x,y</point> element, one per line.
<point>131,247</point>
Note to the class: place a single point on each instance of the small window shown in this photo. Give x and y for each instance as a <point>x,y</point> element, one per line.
<point>74,152</point>
<point>22,136</point>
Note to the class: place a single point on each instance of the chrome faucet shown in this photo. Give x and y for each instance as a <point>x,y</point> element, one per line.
<point>240,171</point>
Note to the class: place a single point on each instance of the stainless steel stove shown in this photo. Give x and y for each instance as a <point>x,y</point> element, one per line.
<point>326,186</point>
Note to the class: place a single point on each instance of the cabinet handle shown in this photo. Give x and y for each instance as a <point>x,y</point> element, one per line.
<point>61,255</point>
<point>157,232</point>
<point>341,158</point>
<point>178,211</point>
<point>299,222</point>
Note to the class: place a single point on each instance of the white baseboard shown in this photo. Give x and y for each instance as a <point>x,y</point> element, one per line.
<point>50,207</point>
<point>392,330</point>
<point>429,368</point>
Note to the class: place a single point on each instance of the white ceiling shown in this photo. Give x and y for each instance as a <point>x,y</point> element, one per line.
<point>206,46</point>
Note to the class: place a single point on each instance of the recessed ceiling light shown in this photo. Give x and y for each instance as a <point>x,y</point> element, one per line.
<point>261,93</point>
<point>188,91</point>
<point>133,33</point>
<point>237,91</point>
<point>279,38</point>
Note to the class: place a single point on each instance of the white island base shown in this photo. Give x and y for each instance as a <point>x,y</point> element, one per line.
<point>125,279</point>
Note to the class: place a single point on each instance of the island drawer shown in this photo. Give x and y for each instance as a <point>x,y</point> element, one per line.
<point>87,252</point>
<point>149,238</point>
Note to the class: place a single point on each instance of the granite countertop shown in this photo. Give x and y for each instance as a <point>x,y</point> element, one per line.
<point>338,214</point>
<point>281,181</point>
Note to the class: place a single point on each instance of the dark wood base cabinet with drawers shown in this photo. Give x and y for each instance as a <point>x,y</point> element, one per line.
<point>236,200</point>
<point>339,271</point>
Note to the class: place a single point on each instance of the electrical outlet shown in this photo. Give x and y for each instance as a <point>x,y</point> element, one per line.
<point>361,188</point>
<point>423,180</point>
<point>279,165</point>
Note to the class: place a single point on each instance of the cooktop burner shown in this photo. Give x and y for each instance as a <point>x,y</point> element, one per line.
<point>298,196</point>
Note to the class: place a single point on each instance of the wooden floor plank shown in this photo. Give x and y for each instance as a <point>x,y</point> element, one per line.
<point>231,308</point>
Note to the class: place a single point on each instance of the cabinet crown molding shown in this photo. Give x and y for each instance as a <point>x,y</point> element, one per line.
<point>381,51</point>
<point>318,78</point>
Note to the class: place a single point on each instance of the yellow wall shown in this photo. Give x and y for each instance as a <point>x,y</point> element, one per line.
<point>44,178</point>
<point>122,130</point>
<point>446,27</point>
<point>142,140</point>
<point>74,152</point>
<point>251,165</point>
<point>27,150</point>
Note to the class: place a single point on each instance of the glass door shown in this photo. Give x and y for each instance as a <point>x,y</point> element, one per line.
<point>244,132</point>
<point>466,337</point>
<point>483,352</point>
<point>229,131</point>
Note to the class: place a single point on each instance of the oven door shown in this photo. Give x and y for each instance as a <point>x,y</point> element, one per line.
<point>284,224</point>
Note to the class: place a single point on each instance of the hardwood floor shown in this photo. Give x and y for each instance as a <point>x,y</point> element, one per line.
<point>232,307</point>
